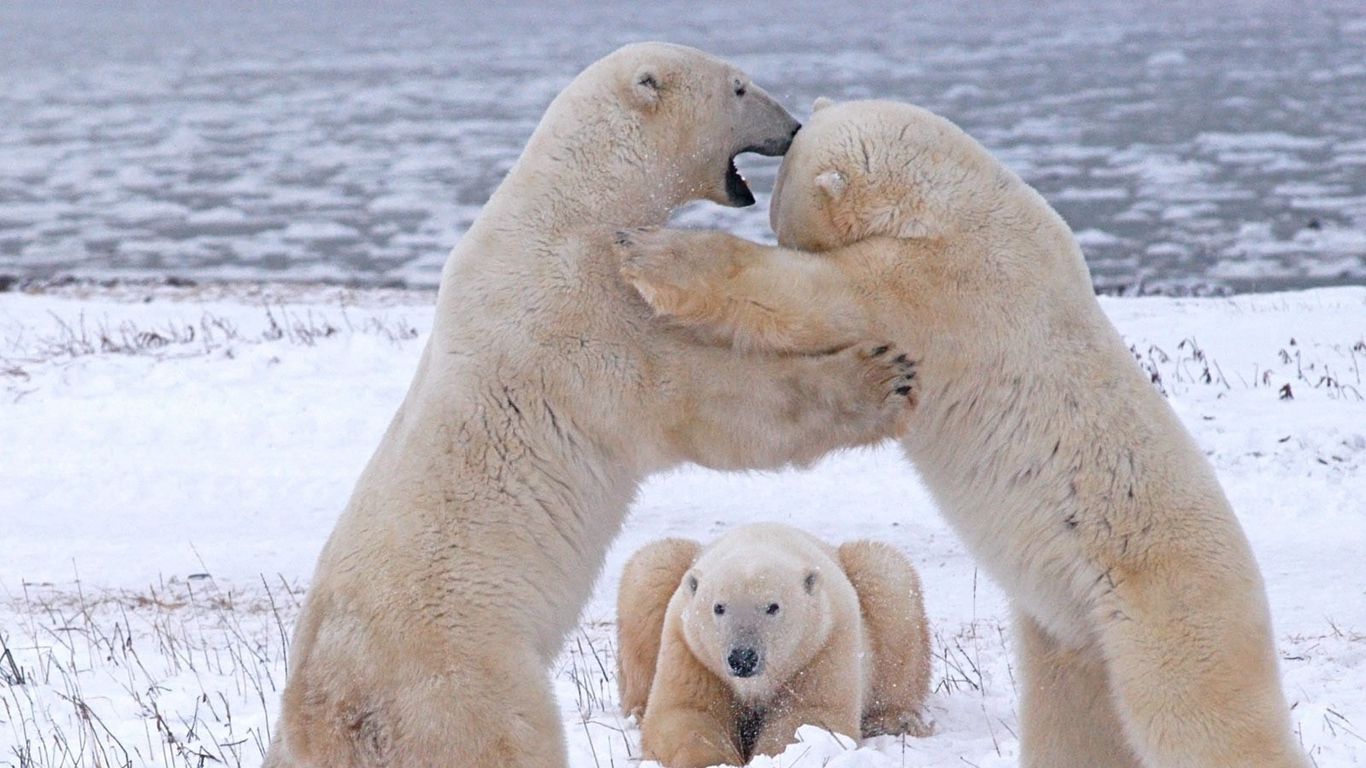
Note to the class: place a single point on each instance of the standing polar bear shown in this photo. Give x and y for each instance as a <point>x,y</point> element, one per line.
<point>1144,633</point>
<point>545,394</point>
<point>725,651</point>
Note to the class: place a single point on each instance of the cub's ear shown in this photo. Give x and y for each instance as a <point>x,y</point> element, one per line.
<point>820,103</point>
<point>644,88</point>
<point>809,583</point>
<point>832,183</point>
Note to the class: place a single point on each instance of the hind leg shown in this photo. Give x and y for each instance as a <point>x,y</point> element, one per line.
<point>1193,665</point>
<point>495,710</point>
<point>275,753</point>
<point>647,582</point>
<point>428,705</point>
<point>1067,713</point>
<point>522,727</point>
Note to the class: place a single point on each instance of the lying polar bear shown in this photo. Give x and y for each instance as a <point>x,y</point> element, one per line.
<point>724,651</point>
<point>544,396</point>
<point>1144,634</point>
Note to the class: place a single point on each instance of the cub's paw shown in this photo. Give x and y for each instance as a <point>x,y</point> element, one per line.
<point>896,724</point>
<point>701,753</point>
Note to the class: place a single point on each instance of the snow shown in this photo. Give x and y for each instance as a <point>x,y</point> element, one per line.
<point>171,461</point>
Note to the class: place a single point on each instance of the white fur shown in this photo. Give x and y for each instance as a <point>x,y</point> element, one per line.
<point>1145,634</point>
<point>839,638</point>
<point>544,396</point>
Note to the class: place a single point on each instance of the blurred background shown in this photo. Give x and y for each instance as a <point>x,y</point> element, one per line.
<point>1206,148</point>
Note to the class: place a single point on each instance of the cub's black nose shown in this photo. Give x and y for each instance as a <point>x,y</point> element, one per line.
<point>743,662</point>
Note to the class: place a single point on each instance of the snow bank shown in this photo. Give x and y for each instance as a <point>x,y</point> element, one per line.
<point>172,460</point>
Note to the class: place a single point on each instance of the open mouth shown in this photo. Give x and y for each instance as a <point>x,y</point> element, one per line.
<point>738,192</point>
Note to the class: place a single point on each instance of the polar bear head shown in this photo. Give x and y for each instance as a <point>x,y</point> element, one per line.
<point>756,614</point>
<point>684,115</point>
<point>865,168</point>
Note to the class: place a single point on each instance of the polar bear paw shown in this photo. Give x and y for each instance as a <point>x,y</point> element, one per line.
<point>679,272</point>
<point>888,378</point>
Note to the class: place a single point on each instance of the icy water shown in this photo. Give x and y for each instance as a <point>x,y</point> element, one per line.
<point>1215,147</point>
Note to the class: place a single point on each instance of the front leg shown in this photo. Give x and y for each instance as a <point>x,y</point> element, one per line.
<point>750,296</point>
<point>828,693</point>
<point>688,721</point>
<point>732,411</point>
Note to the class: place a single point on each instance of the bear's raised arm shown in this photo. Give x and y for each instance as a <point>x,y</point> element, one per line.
<point>760,298</point>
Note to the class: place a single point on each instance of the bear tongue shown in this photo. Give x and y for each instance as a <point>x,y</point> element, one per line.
<point>738,193</point>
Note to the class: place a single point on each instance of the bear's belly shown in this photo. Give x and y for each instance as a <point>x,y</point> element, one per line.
<point>1040,566</point>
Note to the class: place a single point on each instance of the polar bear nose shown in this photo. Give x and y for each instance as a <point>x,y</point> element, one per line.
<point>743,662</point>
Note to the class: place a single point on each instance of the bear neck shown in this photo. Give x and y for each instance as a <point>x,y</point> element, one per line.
<point>588,164</point>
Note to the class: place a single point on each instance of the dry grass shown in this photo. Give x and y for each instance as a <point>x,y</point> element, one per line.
<point>182,674</point>
<point>188,674</point>
<point>1332,368</point>
<point>62,339</point>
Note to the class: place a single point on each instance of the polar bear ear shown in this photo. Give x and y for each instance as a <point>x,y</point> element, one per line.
<point>832,183</point>
<point>644,88</point>
<point>820,103</point>
<point>809,583</point>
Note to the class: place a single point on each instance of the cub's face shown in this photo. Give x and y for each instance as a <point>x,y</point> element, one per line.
<point>755,625</point>
<point>703,111</point>
<point>865,168</point>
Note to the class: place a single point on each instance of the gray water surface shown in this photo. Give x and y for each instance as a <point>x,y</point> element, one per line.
<point>1215,147</point>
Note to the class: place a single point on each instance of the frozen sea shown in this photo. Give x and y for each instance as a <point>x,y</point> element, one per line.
<point>1209,147</point>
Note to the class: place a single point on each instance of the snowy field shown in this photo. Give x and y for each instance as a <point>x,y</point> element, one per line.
<point>171,461</point>
<point>1194,147</point>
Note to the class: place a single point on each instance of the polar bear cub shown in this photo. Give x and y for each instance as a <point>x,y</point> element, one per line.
<point>1144,633</point>
<point>724,651</point>
<point>546,393</point>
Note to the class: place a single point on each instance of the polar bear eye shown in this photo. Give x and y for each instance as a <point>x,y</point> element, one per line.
<point>773,609</point>
<point>719,609</point>
<point>740,88</point>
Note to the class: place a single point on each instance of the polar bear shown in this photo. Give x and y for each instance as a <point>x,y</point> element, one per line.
<point>1144,632</point>
<point>724,652</point>
<point>545,394</point>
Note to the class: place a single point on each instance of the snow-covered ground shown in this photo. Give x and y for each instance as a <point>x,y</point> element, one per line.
<point>1192,145</point>
<point>171,461</point>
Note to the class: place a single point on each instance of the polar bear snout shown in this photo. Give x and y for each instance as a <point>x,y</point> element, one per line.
<point>757,123</point>
<point>776,146</point>
<point>775,129</point>
<point>766,127</point>
<point>744,662</point>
